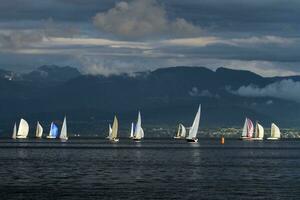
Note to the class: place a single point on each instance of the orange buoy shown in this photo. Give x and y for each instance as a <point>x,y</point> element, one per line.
<point>222,140</point>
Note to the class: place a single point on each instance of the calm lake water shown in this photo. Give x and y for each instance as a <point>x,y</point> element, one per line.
<point>151,169</point>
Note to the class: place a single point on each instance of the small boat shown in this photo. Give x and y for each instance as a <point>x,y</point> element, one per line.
<point>23,130</point>
<point>63,132</point>
<point>132,130</point>
<point>181,133</point>
<point>275,132</point>
<point>139,132</point>
<point>53,132</point>
<point>113,137</point>
<point>247,133</point>
<point>109,131</point>
<point>14,135</point>
<point>192,136</point>
<point>39,130</point>
<point>259,132</point>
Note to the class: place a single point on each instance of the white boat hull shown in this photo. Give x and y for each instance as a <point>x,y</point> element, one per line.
<point>178,138</point>
<point>21,137</point>
<point>50,137</point>
<point>114,140</point>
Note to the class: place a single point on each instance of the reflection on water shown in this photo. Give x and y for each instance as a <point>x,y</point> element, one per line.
<point>151,169</point>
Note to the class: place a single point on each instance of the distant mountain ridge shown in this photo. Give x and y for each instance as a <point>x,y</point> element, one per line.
<point>165,96</point>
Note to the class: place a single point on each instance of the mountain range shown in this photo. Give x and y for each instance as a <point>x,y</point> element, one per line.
<point>165,96</point>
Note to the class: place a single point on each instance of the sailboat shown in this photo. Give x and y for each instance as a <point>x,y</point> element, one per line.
<point>109,131</point>
<point>23,130</point>
<point>114,133</point>
<point>192,137</point>
<point>63,132</point>
<point>259,132</point>
<point>132,130</point>
<point>53,131</point>
<point>39,130</point>
<point>14,135</point>
<point>247,130</point>
<point>275,132</point>
<point>138,132</point>
<point>181,133</point>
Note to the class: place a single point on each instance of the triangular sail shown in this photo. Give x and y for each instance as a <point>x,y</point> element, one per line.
<point>244,133</point>
<point>63,132</point>
<point>109,131</point>
<point>23,129</point>
<point>53,131</point>
<point>138,128</point>
<point>114,133</point>
<point>14,135</point>
<point>248,128</point>
<point>259,131</point>
<point>194,129</point>
<point>179,131</point>
<point>132,130</point>
<point>183,131</point>
<point>275,131</point>
<point>39,130</point>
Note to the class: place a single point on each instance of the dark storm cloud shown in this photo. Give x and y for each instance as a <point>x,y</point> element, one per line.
<point>262,36</point>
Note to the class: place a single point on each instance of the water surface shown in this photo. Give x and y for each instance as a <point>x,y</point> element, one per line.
<point>151,169</point>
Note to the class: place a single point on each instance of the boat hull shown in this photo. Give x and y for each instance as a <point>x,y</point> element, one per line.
<point>178,138</point>
<point>136,139</point>
<point>21,137</point>
<point>114,140</point>
<point>257,139</point>
<point>193,140</point>
<point>50,137</point>
<point>245,138</point>
<point>272,138</point>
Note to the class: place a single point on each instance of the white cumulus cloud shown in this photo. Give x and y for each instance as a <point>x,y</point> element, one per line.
<point>286,89</point>
<point>142,19</point>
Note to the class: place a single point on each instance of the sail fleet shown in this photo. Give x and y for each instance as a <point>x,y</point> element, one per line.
<point>189,134</point>
<point>249,134</point>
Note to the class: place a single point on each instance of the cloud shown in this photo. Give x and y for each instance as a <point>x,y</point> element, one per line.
<point>19,39</point>
<point>286,89</point>
<point>142,19</point>
<point>204,93</point>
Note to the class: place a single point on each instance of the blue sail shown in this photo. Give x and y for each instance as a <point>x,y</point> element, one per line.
<point>53,130</point>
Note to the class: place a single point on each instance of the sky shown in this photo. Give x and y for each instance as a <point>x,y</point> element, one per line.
<point>110,36</point>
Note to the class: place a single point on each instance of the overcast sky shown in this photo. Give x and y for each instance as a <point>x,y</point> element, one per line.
<point>110,36</point>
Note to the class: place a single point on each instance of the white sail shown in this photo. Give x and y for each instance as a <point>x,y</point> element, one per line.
<point>259,131</point>
<point>194,129</point>
<point>275,131</point>
<point>114,132</point>
<point>14,135</point>
<point>138,133</point>
<point>23,129</point>
<point>132,130</point>
<point>142,133</point>
<point>244,133</point>
<point>39,130</point>
<point>183,131</point>
<point>248,129</point>
<point>63,132</point>
<point>109,131</point>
